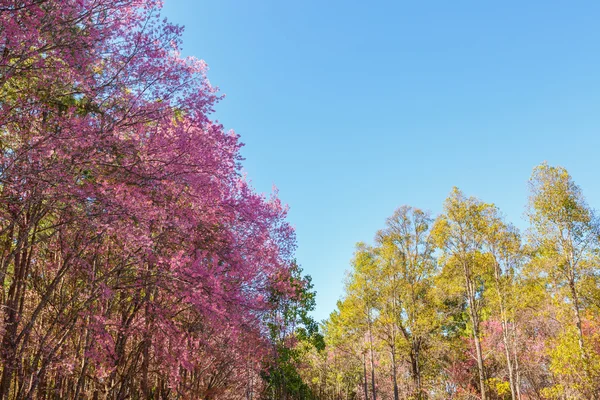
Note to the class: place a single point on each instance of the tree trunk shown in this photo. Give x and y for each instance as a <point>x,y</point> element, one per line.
<point>517,370</point>
<point>417,371</point>
<point>475,322</point>
<point>504,322</point>
<point>16,294</point>
<point>578,319</point>
<point>365,383</point>
<point>595,392</point>
<point>372,361</point>
<point>394,377</point>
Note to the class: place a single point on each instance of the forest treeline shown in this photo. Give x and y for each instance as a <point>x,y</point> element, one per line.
<point>465,306</point>
<point>136,262</point>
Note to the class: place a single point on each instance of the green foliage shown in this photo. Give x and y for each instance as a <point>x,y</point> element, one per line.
<point>294,333</point>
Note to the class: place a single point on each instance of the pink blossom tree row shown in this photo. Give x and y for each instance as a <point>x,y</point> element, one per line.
<point>135,260</point>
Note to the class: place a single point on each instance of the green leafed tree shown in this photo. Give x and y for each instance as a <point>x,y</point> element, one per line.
<point>460,233</point>
<point>406,272</point>
<point>362,298</point>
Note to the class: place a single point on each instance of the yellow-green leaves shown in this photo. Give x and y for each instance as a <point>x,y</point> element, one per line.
<point>564,236</point>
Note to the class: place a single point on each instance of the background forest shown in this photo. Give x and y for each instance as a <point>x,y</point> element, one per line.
<point>464,306</point>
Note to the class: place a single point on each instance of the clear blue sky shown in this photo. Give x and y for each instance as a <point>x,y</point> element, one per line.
<point>354,108</point>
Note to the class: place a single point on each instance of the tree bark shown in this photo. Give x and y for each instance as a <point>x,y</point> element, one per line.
<point>475,322</point>
<point>505,339</point>
<point>395,378</point>
<point>372,361</point>
<point>365,383</point>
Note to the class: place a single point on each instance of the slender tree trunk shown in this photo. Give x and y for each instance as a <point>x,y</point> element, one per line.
<point>10,342</point>
<point>516,358</point>
<point>84,365</point>
<point>394,375</point>
<point>417,371</point>
<point>365,383</point>
<point>480,364</point>
<point>595,392</point>
<point>509,363</point>
<point>578,319</point>
<point>475,322</point>
<point>147,339</point>
<point>504,322</point>
<point>372,361</point>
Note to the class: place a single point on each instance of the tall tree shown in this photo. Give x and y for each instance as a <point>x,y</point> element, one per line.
<point>361,299</point>
<point>460,233</point>
<point>503,243</point>
<point>565,233</point>
<point>407,269</point>
<point>293,332</point>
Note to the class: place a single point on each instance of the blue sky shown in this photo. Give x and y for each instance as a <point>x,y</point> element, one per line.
<point>354,108</point>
